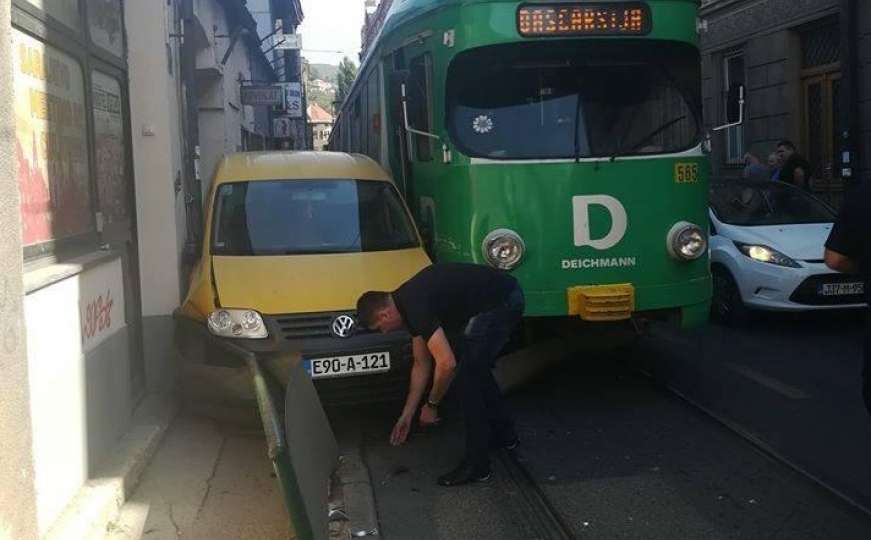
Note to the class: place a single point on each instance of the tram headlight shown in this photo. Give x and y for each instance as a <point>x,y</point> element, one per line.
<point>686,241</point>
<point>503,249</point>
<point>237,323</point>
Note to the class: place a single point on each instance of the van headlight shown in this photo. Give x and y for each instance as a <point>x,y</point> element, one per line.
<point>686,241</point>
<point>237,323</point>
<point>503,249</point>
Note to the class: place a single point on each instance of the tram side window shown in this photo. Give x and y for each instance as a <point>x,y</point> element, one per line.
<point>364,114</point>
<point>373,121</point>
<point>419,104</point>
<point>355,126</point>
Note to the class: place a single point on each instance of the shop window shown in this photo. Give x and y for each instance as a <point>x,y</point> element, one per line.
<point>51,142</point>
<point>733,76</point>
<point>63,11</point>
<point>419,104</point>
<point>111,153</point>
<point>106,24</point>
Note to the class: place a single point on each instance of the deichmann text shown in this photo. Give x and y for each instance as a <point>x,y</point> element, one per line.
<point>613,262</point>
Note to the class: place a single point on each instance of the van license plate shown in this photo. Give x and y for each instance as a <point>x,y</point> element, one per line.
<point>342,366</point>
<point>842,289</point>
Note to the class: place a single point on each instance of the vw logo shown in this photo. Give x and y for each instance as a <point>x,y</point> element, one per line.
<point>343,326</point>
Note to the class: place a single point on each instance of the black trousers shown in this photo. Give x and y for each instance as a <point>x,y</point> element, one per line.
<point>485,413</point>
<point>866,368</point>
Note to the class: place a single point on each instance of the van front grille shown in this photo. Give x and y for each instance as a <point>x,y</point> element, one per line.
<point>307,325</point>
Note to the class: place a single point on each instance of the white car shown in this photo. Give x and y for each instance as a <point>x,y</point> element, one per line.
<point>767,245</point>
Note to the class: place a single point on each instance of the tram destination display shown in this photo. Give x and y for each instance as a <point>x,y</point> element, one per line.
<point>611,19</point>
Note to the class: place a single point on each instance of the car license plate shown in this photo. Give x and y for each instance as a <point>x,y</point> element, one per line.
<point>342,366</point>
<point>841,289</point>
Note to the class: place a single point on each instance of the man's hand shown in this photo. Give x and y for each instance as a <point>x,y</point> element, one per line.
<point>429,416</point>
<point>400,431</point>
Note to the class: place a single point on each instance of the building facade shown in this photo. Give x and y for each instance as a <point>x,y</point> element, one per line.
<point>321,123</point>
<point>806,67</point>
<point>114,114</point>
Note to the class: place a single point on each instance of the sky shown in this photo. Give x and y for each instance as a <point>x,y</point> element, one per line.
<point>331,25</point>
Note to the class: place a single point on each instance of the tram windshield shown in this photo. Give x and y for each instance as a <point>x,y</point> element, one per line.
<point>575,99</point>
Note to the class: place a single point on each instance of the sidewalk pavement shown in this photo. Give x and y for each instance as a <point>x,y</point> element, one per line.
<point>208,480</point>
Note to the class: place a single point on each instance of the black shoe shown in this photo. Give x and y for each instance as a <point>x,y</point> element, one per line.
<point>464,474</point>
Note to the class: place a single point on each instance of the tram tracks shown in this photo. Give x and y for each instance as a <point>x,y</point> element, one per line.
<point>540,513</point>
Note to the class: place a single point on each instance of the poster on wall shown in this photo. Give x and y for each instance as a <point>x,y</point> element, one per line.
<point>109,147</point>
<point>65,11</point>
<point>50,142</point>
<point>106,24</point>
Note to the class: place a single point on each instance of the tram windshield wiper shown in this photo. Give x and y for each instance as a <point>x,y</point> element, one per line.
<point>644,140</point>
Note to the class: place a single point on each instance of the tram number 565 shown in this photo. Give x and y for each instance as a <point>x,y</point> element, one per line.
<point>686,173</point>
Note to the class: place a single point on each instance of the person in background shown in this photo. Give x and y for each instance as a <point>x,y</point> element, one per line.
<point>754,169</point>
<point>774,166</point>
<point>848,250</point>
<point>796,170</point>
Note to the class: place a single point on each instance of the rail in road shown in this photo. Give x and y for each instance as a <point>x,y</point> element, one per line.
<point>605,453</point>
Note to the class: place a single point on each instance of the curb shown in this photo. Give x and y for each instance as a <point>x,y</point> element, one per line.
<point>99,501</point>
<point>355,498</point>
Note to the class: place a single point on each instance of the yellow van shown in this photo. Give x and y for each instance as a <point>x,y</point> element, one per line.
<point>291,241</point>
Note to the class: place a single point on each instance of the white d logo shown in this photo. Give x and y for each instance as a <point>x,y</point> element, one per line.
<point>583,237</point>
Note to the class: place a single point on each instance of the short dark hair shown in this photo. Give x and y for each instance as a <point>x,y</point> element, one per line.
<point>787,143</point>
<point>369,304</point>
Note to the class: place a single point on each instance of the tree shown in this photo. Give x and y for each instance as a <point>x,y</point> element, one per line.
<point>345,78</point>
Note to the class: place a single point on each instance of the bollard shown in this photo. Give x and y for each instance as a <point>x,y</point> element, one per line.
<point>301,445</point>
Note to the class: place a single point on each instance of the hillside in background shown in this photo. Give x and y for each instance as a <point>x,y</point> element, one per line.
<point>326,72</point>
<point>323,97</point>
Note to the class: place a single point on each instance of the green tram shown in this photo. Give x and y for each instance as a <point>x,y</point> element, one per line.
<point>561,141</point>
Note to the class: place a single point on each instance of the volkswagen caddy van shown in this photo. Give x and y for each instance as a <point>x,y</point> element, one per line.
<point>291,241</point>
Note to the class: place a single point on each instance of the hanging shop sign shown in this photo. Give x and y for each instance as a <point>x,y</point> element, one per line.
<point>293,99</point>
<point>288,42</point>
<point>262,95</point>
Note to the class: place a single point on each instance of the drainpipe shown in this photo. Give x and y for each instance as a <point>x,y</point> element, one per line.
<point>850,146</point>
<point>192,186</point>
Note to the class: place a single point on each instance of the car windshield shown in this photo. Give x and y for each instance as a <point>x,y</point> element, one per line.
<point>290,217</point>
<point>767,203</point>
<point>574,99</point>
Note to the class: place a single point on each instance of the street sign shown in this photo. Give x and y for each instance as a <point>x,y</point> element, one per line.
<point>262,95</point>
<point>292,42</point>
<point>294,99</point>
<point>281,127</point>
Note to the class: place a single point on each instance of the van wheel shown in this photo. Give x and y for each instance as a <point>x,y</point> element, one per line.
<point>727,306</point>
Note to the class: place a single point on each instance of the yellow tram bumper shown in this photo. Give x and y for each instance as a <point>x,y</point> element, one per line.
<point>602,303</point>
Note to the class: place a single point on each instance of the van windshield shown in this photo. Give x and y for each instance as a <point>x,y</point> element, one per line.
<point>295,217</point>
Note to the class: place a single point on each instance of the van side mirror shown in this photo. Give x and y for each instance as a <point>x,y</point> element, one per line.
<point>734,107</point>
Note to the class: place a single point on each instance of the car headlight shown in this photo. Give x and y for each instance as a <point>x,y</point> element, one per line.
<point>686,241</point>
<point>237,323</point>
<point>766,254</point>
<point>503,249</point>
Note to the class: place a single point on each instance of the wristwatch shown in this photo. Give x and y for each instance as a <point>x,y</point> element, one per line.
<point>431,404</point>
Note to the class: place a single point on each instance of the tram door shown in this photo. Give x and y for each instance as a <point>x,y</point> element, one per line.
<point>416,68</point>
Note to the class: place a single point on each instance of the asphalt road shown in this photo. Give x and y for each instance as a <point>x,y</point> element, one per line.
<point>620,456</point>
<point>790,381</point>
